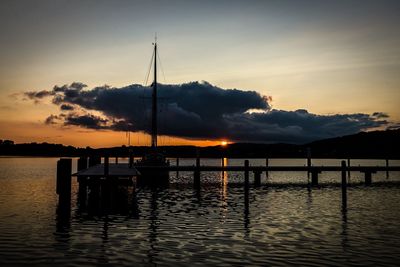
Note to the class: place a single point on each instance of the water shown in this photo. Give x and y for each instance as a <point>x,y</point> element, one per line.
<point>278,225</point>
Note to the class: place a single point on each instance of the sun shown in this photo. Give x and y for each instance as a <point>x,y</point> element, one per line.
<point>224,143</point>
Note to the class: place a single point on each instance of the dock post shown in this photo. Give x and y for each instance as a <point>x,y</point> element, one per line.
<point>197,171</point>
<point>197,157</point>
<point>368,177</point>
<point>309,161</point>
<point>63,187</point>
<point>348,165</point>
<point>314,177</point>
<point>246,174</point>
<point>246,193</point>
<point>344,186</point>
<point>257,178</point>
<point>106,165</point>
<point>266,165</point>
<point>387,167</point>
<point>116,159</point>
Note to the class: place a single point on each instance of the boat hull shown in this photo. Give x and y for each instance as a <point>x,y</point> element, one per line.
<point>152,177</point>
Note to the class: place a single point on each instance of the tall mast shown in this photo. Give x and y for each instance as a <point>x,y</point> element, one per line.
<point>154,102</point>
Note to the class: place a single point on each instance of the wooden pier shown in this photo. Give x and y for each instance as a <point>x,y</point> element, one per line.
<point>103,179</point>
<point>107,169</point>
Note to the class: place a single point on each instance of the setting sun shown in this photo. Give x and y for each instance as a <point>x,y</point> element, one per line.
<point>224,143</point>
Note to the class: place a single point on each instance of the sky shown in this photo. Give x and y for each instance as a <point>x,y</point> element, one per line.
<point>72,72</point>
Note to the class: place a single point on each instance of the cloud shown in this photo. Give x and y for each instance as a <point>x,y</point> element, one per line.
<point>52,119</point>
<point>394,126</point>
<point>380,115</point>
<point>298,126</point>
<point>39,94</point>
<point>199,110</point>
<point>66,107</point>
<point>88,121</point>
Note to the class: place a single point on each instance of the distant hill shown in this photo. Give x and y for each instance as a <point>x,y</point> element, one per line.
<point>377,144</point>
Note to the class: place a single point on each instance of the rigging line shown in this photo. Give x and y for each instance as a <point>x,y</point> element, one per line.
<point>148,72</point>
<point>162,69</point>
<point>143,106</point>
<point>162,137</point>
<point>147,78</point>
<point>145,115</point>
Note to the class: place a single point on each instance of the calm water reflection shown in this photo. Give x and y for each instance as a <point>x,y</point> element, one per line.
<point>216,225</point>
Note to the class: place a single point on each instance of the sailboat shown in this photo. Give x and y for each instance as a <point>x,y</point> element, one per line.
<point>154,158</point>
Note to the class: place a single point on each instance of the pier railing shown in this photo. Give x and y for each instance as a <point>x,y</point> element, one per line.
<point>94,168</point>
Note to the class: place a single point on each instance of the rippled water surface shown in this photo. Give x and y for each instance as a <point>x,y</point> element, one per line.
<point>280,223</point>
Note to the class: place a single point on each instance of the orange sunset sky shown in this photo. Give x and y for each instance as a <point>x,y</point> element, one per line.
<point>327,58</point>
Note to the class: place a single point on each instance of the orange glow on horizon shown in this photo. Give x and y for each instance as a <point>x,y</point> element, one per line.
<point>28,132</point>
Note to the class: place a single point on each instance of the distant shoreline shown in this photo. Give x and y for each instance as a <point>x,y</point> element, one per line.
<point>364,145</point>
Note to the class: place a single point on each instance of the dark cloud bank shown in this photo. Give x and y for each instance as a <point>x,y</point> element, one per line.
<point>199,111</point>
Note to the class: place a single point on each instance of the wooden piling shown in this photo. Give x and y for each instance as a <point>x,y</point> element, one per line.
<point>344,186</point>
<point>116,159</point>
<point>257,178</point>
<point>197,157</point>
<point>266,165</point>
<point>368,177</point>
<point>387,171</point>
<point>314,177</point>
<point>246,209</point>
<point>106,165</point>
<point>63,186</point>
<point>309,161</point>
<point>246,174</point>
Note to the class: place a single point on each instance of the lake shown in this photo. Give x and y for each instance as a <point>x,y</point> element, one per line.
<point>283,222</point>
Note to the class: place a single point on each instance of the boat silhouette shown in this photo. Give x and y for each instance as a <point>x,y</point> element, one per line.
<point>153,158</point>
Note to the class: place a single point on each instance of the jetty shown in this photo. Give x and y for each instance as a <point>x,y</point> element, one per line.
<point>100,182</point>
<point>94,168</point>
<point>91,169</point>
